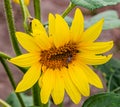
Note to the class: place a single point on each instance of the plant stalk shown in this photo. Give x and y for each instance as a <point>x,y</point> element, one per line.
<point>36,95</point>
<point>37,9</point>
<point>7,69</point>
<point>68,9</point>
<point>10,21</point>
<point>26,15</point>
<point>60,105</point>
<point>5,56</point>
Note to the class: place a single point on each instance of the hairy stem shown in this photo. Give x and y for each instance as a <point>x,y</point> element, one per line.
<point>10,21</point>
<point>25,14</point>
<point>7,69</point>
<point>68,9</point>
<point>36,95</point>
<point>37,9</point>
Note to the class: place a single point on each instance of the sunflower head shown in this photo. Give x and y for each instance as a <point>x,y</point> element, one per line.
<point>59,59</point>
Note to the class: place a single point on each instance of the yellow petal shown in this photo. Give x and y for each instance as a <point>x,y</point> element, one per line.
<point>79,79</point>
<point>46,83</point>
<point>30,78</point>
<point>51,26</point>
<point>70,88</point>
<point>61,36</point>
<point>37,27</point>
<point>93,32</point>
<point>97,47</point>
<point>94,59</point>
<point>40,35</point>
<point>27,42</point>
<point>77,26</point>
<point>58,90</point>
<point>25,1</point>
<point>91,76</point>
<point>26,60</point>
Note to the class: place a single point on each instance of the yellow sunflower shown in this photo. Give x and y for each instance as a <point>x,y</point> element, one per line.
<point>59,60</point>
<point>26,2</point>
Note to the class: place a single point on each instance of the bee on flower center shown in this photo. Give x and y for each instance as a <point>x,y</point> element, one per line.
<point>58,57</point>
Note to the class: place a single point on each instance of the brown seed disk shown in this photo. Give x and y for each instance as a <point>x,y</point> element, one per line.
<point>56,58</point>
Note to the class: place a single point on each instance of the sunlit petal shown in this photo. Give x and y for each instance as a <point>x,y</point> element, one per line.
<point>58,90</point>
<point>27,2</point>
<point>77,26</point>
<point>46,83</point>
<point>79,79</point>
<point>26,60</point>
<point>93,32</point>
<point>96,48</point>
<point>62,32</point>
<point>70,88</point>
<point>30,78</point>
<point>40,34</point>
<point>94,59</point>
<point>51,26</point>
<point>27,42</point>
<point>91,76</point>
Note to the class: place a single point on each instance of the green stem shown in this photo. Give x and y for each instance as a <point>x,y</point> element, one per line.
<point>10,21</point>
<point>36,88</point>
<point>4,104</point>
<point>37,9</point>
<point>11,80</point>
<point>117,89</point>
<point>36,95</point>
<point>60,105</point>
<point>109,82</point>
<point>25,14</point>
<point>5,56</point>
<point>68,9</point>
<point>46,105</point>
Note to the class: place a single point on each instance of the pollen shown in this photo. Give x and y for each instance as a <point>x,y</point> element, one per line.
<point>56,58</point>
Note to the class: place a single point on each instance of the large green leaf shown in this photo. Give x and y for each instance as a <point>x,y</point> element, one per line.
<point>93,4</point>
<point>13,101</point>
<point>103,100</point>
<point>111,20</point>
<point>68,20</point>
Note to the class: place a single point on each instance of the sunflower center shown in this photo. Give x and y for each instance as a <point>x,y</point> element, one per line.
<point>59,57</point>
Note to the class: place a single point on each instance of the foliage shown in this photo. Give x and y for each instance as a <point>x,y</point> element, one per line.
<point>103,100</point>
<point>14,102</point>
<point>111,20</point>
<point>112,74</point>
<point>93,4</point>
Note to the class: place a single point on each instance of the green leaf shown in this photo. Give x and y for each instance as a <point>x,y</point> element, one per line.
<point>68,20</point>
<point>13,101</point>
<point>112,74</point>
<point>110,67</point>
<point>115,81</point>
<point>103,100</point>
<point>93,4</point>
<point>111,20</point>
<point>4,104</point>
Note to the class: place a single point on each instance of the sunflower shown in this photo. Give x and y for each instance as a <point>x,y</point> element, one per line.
<point>25,1</point>
<point>59,60</point>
